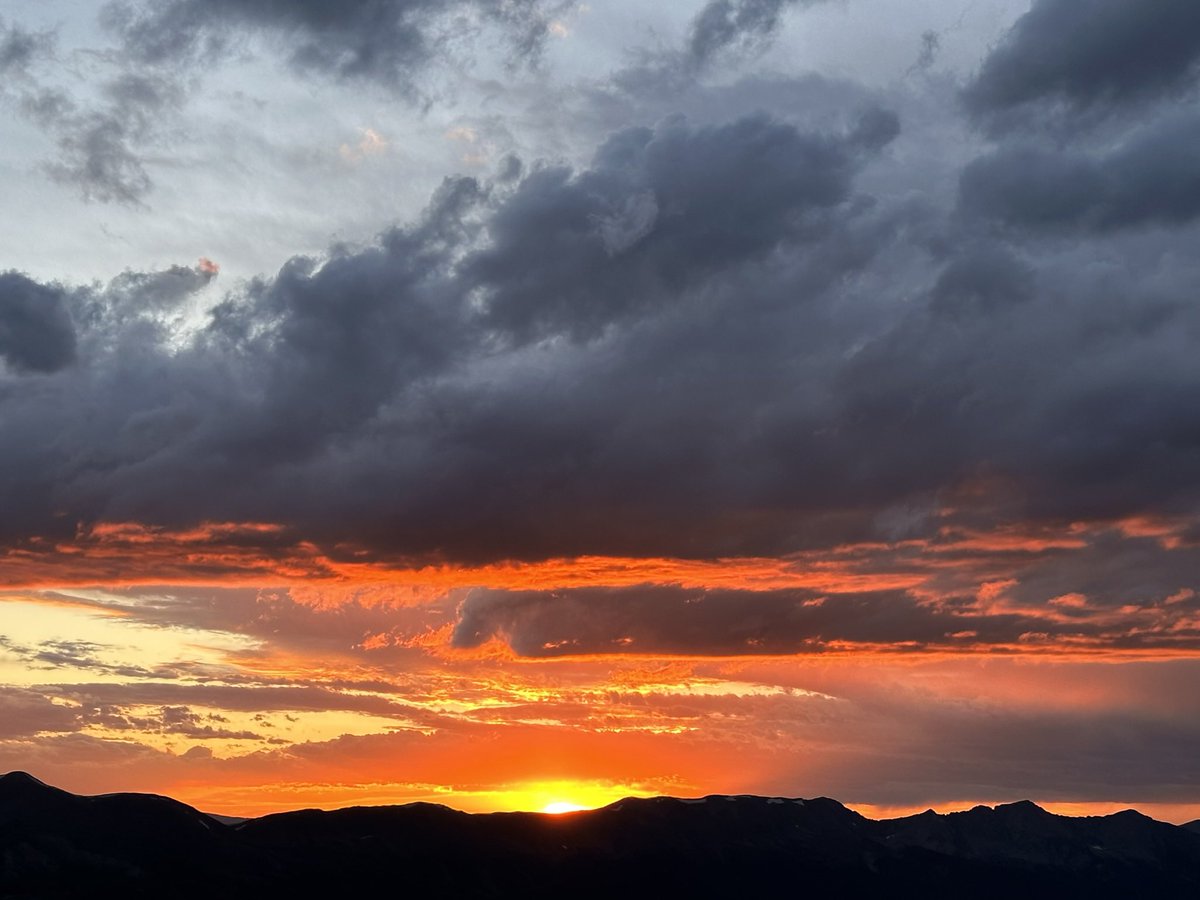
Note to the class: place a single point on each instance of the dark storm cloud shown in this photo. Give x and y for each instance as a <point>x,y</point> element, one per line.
<point>659,212</point>
<point>325,368</point>
<point>987,373</point>
<point>387,41</point>
<point>1113,572</point>
<point>1153,178</point>
<point>1092,208</point>
<point>654,619</point>
<point>53,329</point>
<point>1090,53</point>
<point>664,619</point>
<point>711,341</point>
<point>384,357</point>
<point>36,330</point>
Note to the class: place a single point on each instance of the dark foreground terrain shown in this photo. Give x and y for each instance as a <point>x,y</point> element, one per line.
<point>56,844</point>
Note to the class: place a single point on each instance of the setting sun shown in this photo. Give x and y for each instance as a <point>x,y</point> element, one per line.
<point>558,807</point>
<point>560,795</point>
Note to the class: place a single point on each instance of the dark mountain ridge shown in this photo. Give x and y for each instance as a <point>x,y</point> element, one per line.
<point>57,844</point>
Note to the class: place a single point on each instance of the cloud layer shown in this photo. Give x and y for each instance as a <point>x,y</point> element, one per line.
<point>710,342</point>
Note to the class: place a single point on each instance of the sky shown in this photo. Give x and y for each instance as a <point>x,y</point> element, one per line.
<point>542,402</point>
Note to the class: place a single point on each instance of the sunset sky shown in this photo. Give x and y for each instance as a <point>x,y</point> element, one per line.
<point>537,402</point>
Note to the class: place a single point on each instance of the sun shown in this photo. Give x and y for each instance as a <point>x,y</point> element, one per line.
<point>555,797</point>
<point>558,807</point>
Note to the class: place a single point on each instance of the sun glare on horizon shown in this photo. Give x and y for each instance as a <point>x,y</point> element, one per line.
<point>558,807</point>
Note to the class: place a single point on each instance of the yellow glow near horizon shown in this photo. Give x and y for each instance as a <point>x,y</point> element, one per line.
<point>558,807</point>
<point>554,797</point>
<point>260,799</point>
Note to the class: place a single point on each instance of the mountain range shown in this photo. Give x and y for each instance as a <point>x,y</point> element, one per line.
<point>56,844</point>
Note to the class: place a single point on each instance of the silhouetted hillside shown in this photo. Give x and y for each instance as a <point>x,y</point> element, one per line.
<point>56,844</point>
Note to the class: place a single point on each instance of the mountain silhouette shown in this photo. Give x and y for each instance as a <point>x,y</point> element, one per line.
<point>56,844</point>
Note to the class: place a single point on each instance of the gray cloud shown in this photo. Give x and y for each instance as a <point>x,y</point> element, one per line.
<point>36,330</point>
<point>24,714</point>
<point>727,25</point>
<point>182,721</point>
<point>79,655</point>
<point>385,347</point>
<point>72,654</point>
<point>103,148</point>
<point>1153,178</point>
<point>1002,368</point>
<point>659,211</point>
<point>703,324</point>
<point>107,145</point>
<point>959,751</point>
<point>664,619</point>
<point>102,142</point>
<point>1090,54</point>
<point>657,619</point>
<point>20,49</point>
<point>744,337</point>
<point>385,41</point>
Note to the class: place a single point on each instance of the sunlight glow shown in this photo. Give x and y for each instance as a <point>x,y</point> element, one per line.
<point>558,807</point>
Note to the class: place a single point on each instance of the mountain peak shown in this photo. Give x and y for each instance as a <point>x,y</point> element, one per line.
<point>24,784</point>
<point>1021,807</point>
<point>18,777</point>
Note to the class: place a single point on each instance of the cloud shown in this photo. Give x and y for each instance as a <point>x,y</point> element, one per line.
<point>385,41</point>
<point>107,144</point>
<point>745,337</point>
<point>724,25</point>
<point>101,148</point>
<point>101,141</point>
<point>36,330</point>
<point>1090,53</point>
<point>347,355</point>
<point>134,293</point>
<point>24,714</point>
<point>182,721</point>
<point>372,143</point>
<point>1150,179</point>
<point>663,619</point>
<point>906,734</point>
<point>573,254</point>
<point>658,620</point>
<point>20,49</point>
<point>1127,586</point>
<point>76,654</point>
